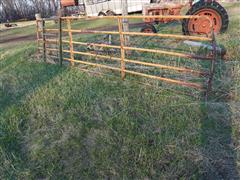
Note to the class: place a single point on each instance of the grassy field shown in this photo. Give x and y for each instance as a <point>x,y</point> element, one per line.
<point>61,123</point>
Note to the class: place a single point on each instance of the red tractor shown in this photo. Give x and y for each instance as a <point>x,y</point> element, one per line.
<point>215,12</point>
<point>211,8</point>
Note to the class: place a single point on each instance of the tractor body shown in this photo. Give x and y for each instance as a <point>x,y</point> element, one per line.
<point>217,17</point>
<point>66,3</point>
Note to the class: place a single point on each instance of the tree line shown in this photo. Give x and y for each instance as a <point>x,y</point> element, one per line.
<point>11,10</point>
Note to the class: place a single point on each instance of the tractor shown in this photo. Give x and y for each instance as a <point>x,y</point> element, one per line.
<point>215,12</point>
<point>211,8</point>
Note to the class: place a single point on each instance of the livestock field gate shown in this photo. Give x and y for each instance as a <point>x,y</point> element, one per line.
<point>103,43</point>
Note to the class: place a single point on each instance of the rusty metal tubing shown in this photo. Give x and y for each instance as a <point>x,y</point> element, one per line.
<point>50,30</point>
<point>70,40</point>
<point>93,44</point>
<point>91,31</point>
<point>182,83</point>
<point>179,69</point>
<point>93,64</point>
<point>212,69</point>
<point>191,56</point>
<point>147,50</point>
<point>134,17</point>
<point>183,37</point>
<point>138,33</point>
<point>185,70</point>
<point>122,43</point>
<point>50,41</point>
<point>59,41</point>
<point>142,49</point>
<point>179,17</point>
<point>123,48</point>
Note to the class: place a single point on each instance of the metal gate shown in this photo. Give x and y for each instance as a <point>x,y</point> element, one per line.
<point>65,26</point>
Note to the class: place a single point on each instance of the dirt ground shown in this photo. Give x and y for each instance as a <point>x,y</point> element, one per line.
<point>17,39</point>
<point>32,37</point>
<point>19,25</point>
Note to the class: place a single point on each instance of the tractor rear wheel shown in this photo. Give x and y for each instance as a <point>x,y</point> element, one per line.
<point>217,14</point>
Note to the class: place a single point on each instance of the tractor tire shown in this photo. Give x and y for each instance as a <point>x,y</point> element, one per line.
<point>148,28</point>
<point>216,13</point>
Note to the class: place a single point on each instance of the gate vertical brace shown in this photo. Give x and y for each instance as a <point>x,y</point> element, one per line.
<point>212,70</point>
<point>120,29</point>
<point>44,40</point>
<point>60,41</point>
<point>70,41</point>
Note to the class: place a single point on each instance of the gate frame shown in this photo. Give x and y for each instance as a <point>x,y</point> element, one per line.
<point>211,38</point>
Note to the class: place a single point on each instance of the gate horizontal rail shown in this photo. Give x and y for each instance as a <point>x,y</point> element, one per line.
<point>181,69</point>
<point>188,84</point>
<point>123,48</point>
<point>183,37</point>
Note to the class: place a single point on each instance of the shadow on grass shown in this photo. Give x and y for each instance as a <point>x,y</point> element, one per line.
<point>20,77</point>
<point>219,157</point>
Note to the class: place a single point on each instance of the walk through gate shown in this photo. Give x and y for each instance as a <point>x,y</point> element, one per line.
<point>42,41</point>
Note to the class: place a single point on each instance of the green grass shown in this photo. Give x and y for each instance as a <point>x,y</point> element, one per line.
<point>28,30</point>
<point>61,123</point>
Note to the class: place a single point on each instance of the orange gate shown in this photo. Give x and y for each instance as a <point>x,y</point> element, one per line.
<point>123,48</point>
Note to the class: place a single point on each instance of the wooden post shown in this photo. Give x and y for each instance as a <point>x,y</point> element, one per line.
<point>125,22</point>
<point>44,40</point>
<point>38,17</point>
<point>37,31</point>
<point>70,41</point>
<point>120,26</point>
<point>60,40</point>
